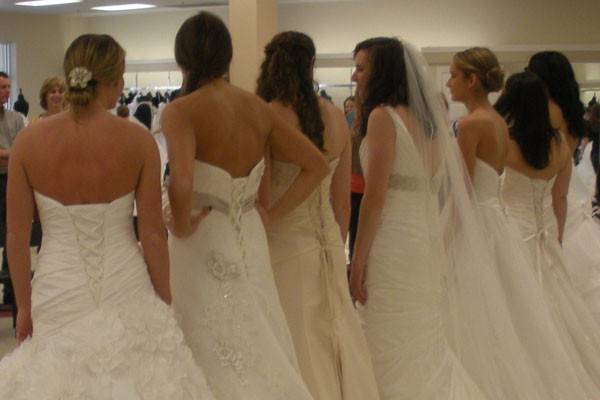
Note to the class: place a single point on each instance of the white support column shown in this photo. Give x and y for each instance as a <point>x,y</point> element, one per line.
<point>252,24</point>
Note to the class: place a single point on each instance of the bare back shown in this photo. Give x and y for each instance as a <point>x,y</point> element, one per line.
<point>336,133</point>
<point>485,132</point>
<point>558,156</point>
<point>230,126</point>
<point>559,159</point>
<point>95,160</point>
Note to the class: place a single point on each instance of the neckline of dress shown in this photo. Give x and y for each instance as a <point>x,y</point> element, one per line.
<point>130,193</point>
<point>529,177</point>
<point>256,166</point>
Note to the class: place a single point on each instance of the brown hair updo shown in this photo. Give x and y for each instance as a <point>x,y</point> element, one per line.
<point>203,50</point>
<point>91,59</point>
<point>482,62</point>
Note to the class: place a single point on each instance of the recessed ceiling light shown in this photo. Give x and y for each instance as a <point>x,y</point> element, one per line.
<point>124,7</point>
<point>44,3</point>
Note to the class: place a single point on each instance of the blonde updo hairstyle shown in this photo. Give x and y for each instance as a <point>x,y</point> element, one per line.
<point>48,85</point>
<point>98,55</point>
<point>482,62</point>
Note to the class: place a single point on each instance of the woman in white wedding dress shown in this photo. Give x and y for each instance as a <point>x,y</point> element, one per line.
<point>538,169</point>
<point>581,239</point>
<point>307,246</point>
<point>223,285</point>
<point>416,238</point>
<point>483,137</point>
<point>97,308</point>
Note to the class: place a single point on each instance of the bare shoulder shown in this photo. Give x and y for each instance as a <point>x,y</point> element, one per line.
<point>245,97</point>
<point>330,110</point>
<point>281,108</point>
<point>380,114</point>
<point>476,121</point>
<point>557,119</point>
<point>175,109</point>
<point>26,139</point>
<point>129,134</point>
<point>380,122</point>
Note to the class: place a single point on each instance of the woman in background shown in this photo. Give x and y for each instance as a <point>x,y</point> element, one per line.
<point>51,97</point>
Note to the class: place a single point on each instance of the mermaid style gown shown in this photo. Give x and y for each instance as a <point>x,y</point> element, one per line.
<point>225,294</point>
<point>309,264</point>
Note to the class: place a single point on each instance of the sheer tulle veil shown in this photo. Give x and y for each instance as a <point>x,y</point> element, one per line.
<point>479,327</point>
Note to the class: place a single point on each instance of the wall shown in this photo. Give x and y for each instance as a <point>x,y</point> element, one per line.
<point>147,36</point>
<point>337,27</point>
<point>40,48</point>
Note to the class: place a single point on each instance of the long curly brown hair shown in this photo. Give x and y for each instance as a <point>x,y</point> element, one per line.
<point>286,75</point>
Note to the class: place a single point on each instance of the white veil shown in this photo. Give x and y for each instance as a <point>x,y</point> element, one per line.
<point>479,326</point>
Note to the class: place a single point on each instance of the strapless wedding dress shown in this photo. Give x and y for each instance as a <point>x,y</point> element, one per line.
<point>225,295</point>
<point>99,330</point>
<point>529,203</point>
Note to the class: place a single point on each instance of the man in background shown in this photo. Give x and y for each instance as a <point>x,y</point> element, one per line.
<point>11,123</point>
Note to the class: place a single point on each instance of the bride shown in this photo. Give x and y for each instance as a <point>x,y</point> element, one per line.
<point>96,309</point>
<point>535,189</point>
<point>397,265</point>
<point>223,285</point>
<point>435,317</point>
<point>484,139</point>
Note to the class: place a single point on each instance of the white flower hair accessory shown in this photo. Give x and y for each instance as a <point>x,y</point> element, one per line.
<point>79,78</point>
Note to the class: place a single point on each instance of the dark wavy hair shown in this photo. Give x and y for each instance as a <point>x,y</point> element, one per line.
<point>286,75</point>
<point>524,106</point>
<point>203,50</point>
<point>387,80</point>
<point>556,72</point>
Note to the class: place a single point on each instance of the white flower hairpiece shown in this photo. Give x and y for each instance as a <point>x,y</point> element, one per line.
<point>79,77</point>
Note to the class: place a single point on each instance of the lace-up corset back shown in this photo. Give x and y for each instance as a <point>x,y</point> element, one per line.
<point>215,187</point>
<point>530,202</point>
<point>316,209</point>
<point>90,254</point>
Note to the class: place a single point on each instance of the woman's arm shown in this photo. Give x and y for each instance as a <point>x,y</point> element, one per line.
<point>468,140</point>
<point>380,142</point>
<point>151,229</point>
<point>20,206</point>
<point>340,186</point>
<point>560,191</point>
<point>181,145</point>
<point>290,145</point>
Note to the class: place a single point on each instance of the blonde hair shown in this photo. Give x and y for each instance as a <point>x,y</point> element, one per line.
<point>482,62</point>
<point>48,85</point>
<point>101,57</point>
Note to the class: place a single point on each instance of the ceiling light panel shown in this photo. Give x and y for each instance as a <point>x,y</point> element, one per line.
<point>124,7</point>
<point>46,3</point>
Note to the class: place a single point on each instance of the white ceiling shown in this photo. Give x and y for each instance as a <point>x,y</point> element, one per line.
<point>84,8</point>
